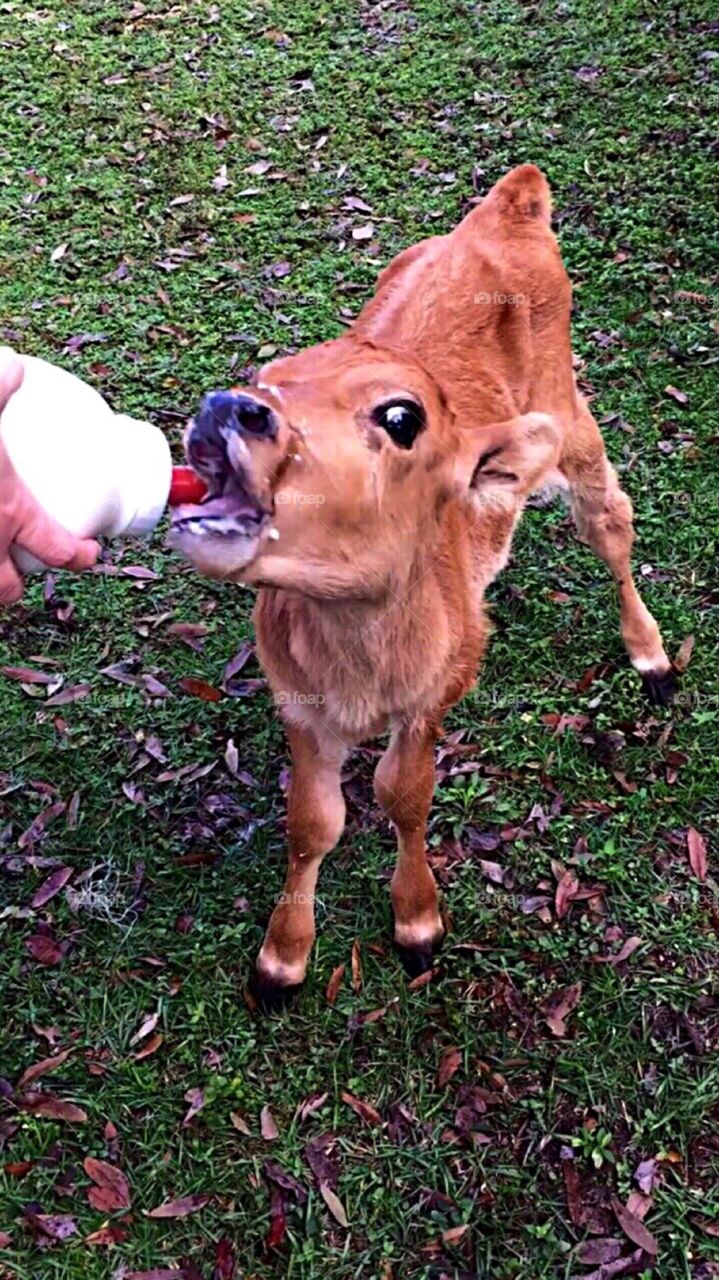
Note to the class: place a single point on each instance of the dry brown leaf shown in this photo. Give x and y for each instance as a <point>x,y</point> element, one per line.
<point>268,1126</point>
<point>634,1228</point>
<point>334,1204</point>
<point>698,860</point>
<point>239,1123</point>
<point>39,1069</point>
<point>557,1008</point>
<point>356,968</point>
<point>449,1063</point>
<point>334,983</point>
<point>179,1208</point>
<point>364,1110</point>
<point>151,1046</point>
<point>146,1026</point>
<point>112,1190</point>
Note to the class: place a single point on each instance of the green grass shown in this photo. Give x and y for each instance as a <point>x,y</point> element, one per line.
<point>110,112</point>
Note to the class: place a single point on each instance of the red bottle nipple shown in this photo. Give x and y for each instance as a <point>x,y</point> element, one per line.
<point>186,486</point>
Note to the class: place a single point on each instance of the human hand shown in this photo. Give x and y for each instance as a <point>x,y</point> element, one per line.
<point>23,521</point>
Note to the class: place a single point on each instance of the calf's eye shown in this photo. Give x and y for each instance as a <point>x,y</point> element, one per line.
<point>402,420</point>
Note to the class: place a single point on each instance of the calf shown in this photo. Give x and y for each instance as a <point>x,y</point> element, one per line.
<point>369,487</point>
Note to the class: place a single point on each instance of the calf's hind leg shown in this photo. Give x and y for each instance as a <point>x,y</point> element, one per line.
<point>315,821</point>
<point>603,515</point>
<point>404,785</point>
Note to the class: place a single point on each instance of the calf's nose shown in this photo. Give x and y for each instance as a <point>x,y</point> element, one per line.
<point>227,410</point>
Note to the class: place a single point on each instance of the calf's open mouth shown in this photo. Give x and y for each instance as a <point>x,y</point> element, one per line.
<point>218,449</point>
<point>232,513</point>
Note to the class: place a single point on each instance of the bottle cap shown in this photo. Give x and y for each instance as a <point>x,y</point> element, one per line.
<point>186,486</point>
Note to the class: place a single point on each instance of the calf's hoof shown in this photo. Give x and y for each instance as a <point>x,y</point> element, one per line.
<point>660,687</point>
<point>271,995</point>
<point>418,957</point>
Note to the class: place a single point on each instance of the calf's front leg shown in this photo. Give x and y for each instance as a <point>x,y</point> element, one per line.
<point>315,821</point>
<point>404,785</point>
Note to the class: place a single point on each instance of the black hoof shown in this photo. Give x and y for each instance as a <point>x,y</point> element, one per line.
<point>269,996</point>
<point>417,960</point>
<point>660,687</point>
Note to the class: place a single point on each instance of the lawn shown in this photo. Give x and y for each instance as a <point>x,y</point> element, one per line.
<point>181,188</point>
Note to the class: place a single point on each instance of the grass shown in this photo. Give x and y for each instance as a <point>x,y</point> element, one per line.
<point>112,112</point>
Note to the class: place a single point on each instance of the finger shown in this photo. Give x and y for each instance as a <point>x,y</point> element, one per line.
<point>11,375</point>
<point>86,553</point>
<point>11,584</point>
<point>43,537</point>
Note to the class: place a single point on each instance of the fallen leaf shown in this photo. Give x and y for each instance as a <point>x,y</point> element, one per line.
<point>364,1110</point>
<point>51,886</point>
<point>59,252</point>
<point>268,1127</point>
<point>239,1123</point>
<point>45,950</point>
<point>686,648</point>
<point>146,1026</point>
<point>422,980</point>
<point>278,1219</point>
<point>354,202</point>
<point>453,1235</point>
<point>157,1273</point>
<point>334,1204</point>
<point>698,860</point>
<point>196,1099</point>
<point>73,693</point>
<point>314,1103</point>
<point>567,890</point>
<point>645,1175</point>
<point>232,757</point>
<point>274,1173</point>
<point>449,1063</point>
<point>50,1108</point>
<point>18,1168</point>
<point>557,1008</point>
<point>28,675</point>
<point>112,1190</point>
<point>356,968</point>
<point>619,957</point>
<point>151,1047</point>
<point>179,1208</point>
<point>200,689</point>
<point>681,397</point>
<point>224,1260</point>
<point>57,1226</point>
<point>602,1249</point>
<point>37,827</point>
<point>109,1236</point>
<point>363,233</point>
<point>493,871</point>
<point>634,1228</point>
<point>43,1068</point>
<point>334,984</point>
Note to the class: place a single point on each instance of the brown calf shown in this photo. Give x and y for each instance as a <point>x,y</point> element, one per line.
<point>370,487</point>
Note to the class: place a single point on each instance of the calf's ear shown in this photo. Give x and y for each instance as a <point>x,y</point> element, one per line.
<point>511,456</point>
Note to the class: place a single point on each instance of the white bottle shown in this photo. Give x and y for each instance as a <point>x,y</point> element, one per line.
<point>97,472</point>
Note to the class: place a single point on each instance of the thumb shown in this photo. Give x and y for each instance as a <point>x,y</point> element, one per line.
<point>11,375</point>
<point>43,537</point>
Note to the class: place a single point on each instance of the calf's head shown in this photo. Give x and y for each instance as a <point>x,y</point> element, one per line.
<point>331,472</point>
